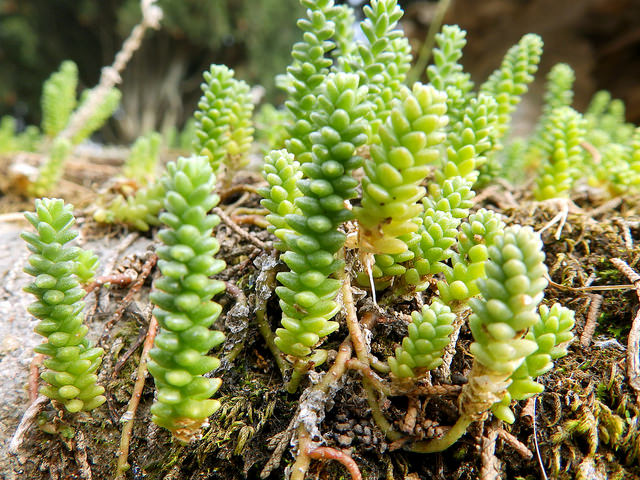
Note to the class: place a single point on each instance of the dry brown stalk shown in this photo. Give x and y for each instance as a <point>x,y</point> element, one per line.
<point>129,416</point>
<point>633,344</point>
<point>244,234</point>
<point>119,279</point>
<point>149,263</point>
<point>110,76</point>
<point>516,444</point>
<point>592,319</point>
<point>490,469</point>
<point>34,376</point>
<point>409,421</point>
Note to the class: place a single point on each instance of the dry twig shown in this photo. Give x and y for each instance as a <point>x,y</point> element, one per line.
<point>490,469</point>
<point>129,416</point>
<point>27,420</point>
<point>244,234</point>
<point>34,376</point>
<point>150,262</point>
<point>633,347</point>
<point>516,444</point>
<point>592,319</point>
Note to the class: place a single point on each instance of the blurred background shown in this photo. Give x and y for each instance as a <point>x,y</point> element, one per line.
<point>600,39</point>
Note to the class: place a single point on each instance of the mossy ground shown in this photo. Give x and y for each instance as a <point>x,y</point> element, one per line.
<point>587,418</point>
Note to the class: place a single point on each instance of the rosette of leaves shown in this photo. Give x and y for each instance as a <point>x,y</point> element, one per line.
<point>223,120</point>
<point>423,347</point>
<point>72,361</point>
<point>552,333</point>
<point>561,138</point>
<point>183,298</point>
<point>454,196</point>
<point>400,157</point>
<point>307,294</point>
<point>282,173</point>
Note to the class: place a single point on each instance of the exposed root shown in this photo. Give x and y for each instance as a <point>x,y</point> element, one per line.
<point>28,419</point>
<point>516,444</point>
<point>326,453</point>
<point>150,262</point>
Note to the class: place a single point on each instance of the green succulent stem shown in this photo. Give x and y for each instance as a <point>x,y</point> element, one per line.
<point>72,361</point>
<point>500,321</point>
<point>224,131</point>
<point>400,158</point>
<point>183,298</point>
<point>59,98</point>
<point>307,295</point>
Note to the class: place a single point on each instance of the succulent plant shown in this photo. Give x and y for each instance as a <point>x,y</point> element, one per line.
<point>72,362</point>
<point>183,297</point>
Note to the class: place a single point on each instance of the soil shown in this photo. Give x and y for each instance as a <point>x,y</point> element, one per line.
<point>585,424</point>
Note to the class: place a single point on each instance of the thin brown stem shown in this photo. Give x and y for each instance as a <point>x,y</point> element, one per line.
<point>123,451</point>
<point>244,234</point>
<point>633,343</point>
<point>150,262</point>
<point>34,376</point>
<point>592,319</point>
<point>339,367</point>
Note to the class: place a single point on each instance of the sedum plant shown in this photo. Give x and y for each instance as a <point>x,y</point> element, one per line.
<point>552,333</point>
<point>400,157</point>
<point>307,295</point>
<point>59,98</point>
<point>142,194</point>
<point>12,141</point>
<point>513,287</point>
<point>58,104</point>
<point>223,120</point>
<point>561,135</point>
<point>282,173</point>
<point>423,347</point>
<point>57,268</point>
<point>142,162</point>
<point>183,298</point>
